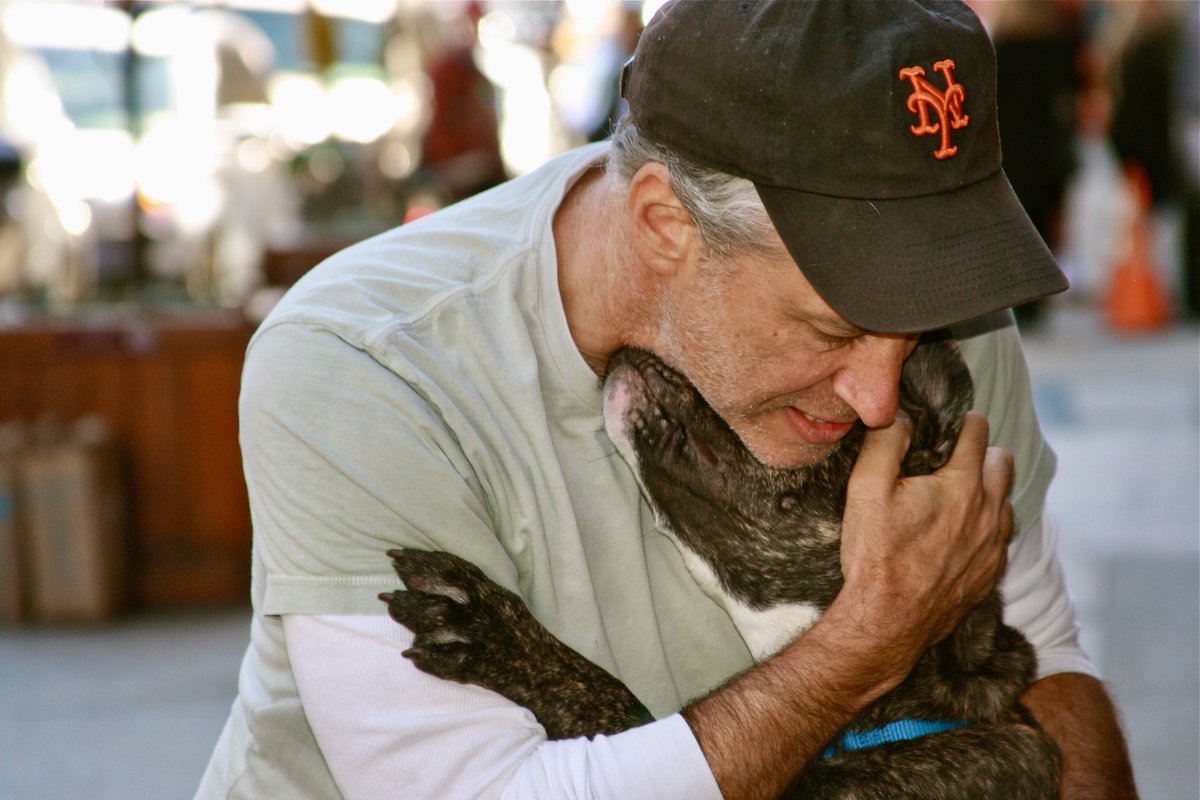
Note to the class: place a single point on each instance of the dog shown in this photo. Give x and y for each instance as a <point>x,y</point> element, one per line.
<point>764,543</point>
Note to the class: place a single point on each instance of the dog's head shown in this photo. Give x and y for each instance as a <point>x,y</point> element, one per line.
<point>708,489</point>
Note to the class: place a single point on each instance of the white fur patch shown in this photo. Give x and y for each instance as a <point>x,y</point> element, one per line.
<point>768,631</point>
<point>765,631</point>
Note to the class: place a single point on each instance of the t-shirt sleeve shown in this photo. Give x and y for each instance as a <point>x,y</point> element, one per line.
<point>1038,604</point>
<point>344,460</point>
<point>991,347</point>
<point>1036,597</point>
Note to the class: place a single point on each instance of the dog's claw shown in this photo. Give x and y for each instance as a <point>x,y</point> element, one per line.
<point>453,611</point>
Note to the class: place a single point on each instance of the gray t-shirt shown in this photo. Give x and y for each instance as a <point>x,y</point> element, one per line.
<point>422,389</point>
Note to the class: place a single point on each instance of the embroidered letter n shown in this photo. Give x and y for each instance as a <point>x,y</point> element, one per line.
<point>947,104</point>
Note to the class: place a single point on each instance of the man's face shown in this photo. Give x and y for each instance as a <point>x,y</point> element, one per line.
<point>786,372</point>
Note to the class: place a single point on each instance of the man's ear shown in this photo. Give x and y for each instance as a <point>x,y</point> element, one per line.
<point>664,236</point>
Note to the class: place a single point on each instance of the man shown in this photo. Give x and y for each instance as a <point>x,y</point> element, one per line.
<point>801,190</point>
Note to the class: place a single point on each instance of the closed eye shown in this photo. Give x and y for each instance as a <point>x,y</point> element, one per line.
<point>835,342</point>
<point>834,332</point>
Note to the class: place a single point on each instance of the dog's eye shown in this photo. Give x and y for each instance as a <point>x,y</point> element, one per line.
<point>704,450</point>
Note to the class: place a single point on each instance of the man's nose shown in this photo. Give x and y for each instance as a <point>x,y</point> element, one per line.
<point>869,381</point>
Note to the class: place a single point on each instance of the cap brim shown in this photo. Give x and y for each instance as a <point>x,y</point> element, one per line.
<point>917,263</point>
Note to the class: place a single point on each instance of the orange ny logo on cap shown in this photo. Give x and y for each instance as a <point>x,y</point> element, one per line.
<point>947,104</point>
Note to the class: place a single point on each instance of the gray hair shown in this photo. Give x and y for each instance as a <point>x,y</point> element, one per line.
<point>726,210</point>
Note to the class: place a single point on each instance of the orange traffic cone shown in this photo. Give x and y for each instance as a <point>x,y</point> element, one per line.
<point>1136,302</point>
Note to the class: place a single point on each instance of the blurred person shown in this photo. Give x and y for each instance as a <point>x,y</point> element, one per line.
<point>779,228</point>
<point>1149,130</point>
<point>461,146</point>
<point>1038,50</point>
<point>1187,138</point>
<point>1144,97</point>
<point>621,43</point>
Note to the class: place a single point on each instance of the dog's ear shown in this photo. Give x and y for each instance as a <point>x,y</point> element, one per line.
<point>936,391</point>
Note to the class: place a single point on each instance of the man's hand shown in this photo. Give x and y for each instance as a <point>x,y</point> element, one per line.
<point>919,552</point>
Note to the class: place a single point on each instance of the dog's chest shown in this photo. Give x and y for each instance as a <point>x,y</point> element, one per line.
<point>766,630</point>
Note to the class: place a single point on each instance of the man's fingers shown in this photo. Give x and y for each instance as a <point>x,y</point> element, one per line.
<point>997,472</point>
<point>1006,527</point>
<point>882,451</point>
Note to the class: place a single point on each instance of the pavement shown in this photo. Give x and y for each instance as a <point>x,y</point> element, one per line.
<point>131,711</point>
<point>1123,414</point>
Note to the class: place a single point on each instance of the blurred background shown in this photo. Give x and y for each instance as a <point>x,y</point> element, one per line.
<point>168,169</point>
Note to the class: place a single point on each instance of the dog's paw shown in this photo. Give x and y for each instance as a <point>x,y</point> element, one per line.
<point>469,629</point>
<point>466,627</point>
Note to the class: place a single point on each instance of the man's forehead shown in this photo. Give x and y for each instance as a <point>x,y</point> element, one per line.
<point>811,306</point>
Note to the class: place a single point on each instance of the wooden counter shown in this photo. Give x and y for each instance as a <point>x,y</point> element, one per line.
<point>167,385</point>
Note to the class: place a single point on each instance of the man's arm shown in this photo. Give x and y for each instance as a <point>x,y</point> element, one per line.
<point>917,553</point>
<point>1076,711</point>
<point>387,729</point>
<point>1069,700</point>
<point>1071,706</point>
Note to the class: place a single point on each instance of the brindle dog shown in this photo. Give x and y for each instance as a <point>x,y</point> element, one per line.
<point>764,542</point>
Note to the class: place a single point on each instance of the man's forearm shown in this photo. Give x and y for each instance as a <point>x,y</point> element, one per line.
<point>760,729</point>
<point>1076,711</point>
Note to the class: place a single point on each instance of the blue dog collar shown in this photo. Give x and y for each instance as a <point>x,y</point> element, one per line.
<point>898,731</point>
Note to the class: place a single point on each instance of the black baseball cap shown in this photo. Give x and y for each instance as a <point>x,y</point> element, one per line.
<point>869,129</point>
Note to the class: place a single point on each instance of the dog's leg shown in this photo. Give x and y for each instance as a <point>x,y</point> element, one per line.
<point>471,630</point>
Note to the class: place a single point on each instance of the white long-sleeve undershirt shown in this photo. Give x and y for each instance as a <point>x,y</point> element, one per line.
<point>387,729</point>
